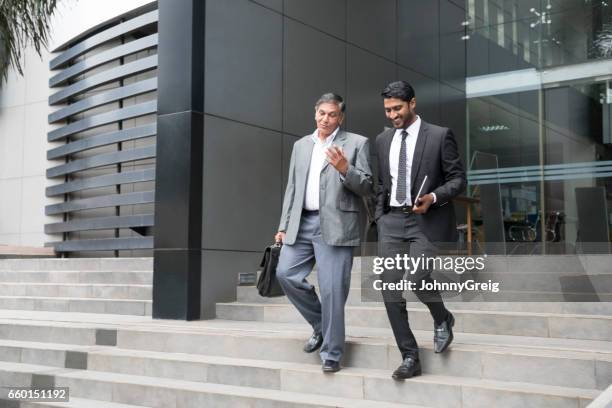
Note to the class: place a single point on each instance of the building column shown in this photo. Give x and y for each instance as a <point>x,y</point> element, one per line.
<point>178,176</point>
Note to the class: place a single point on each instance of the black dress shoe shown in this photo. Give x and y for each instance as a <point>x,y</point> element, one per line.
<point>443,334</point>
<point>331,366</point>
<point>409,368</point>
<point>314,342</point>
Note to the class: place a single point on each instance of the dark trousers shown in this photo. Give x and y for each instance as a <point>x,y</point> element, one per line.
<point>399,233</point>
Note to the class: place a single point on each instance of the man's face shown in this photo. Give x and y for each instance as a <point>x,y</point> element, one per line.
<point>328,117</point>
<point>399,112</point>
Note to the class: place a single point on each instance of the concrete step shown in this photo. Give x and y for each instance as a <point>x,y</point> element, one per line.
<point>168,393</point>
<point>252,372</point>
<point>78,264</point>
<point>584,369</point>
<point>73,403</point>
<point>54,326</point>
<point>77,290</point>
<point>249,294</point>
<point>588,327</point>
<point>570,363</point>
<point>77,304</point>
<point>19,318</point>
<point>285,376</point>
<point>91,277</point>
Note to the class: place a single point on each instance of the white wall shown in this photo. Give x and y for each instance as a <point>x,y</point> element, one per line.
<point>24,127</point>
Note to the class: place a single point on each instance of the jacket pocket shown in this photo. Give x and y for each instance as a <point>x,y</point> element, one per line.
<point>348,202</point>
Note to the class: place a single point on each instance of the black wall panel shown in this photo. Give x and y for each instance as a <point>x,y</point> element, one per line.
<point>367,76</point>
<point>325,15</point>
<point>244,64</point>
<point>220,270</point>
<point>242,184</point>
<point>174,197</point>
<point>373,25</point>
<point>184,88</point>
<point>419,36</point>
<point>276,5</point>
<point>314,63</point>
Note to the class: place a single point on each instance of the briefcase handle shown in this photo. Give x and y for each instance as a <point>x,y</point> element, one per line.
<point>267,251</point>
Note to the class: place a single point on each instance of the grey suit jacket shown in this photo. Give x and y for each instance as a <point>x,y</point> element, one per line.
<point>436,156</point>
<point>339,198</point>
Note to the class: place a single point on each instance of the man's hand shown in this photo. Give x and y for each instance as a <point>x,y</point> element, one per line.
<point>423,203</point>
<point>280,236</point>
<point>336,157</point>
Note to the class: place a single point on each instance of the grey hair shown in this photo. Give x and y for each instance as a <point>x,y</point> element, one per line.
<point>331,98</point>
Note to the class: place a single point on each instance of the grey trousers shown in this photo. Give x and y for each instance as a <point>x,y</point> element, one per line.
<point>334,272</point>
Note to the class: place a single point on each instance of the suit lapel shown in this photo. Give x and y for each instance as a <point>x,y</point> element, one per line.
<point>386,150</point>
<point>418,153</point>
<point>304,155</point>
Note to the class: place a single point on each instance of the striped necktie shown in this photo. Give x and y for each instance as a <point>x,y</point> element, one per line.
<point>400,193</point>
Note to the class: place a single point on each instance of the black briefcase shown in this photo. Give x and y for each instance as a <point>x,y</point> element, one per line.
<point>267,284</point>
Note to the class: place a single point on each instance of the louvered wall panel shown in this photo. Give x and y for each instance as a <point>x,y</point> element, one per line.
<point>104,104</point>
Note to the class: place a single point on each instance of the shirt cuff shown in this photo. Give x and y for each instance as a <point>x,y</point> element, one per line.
<point>435,198</point>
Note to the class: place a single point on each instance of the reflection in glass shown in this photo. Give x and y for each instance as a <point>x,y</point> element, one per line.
<point>552,141</point>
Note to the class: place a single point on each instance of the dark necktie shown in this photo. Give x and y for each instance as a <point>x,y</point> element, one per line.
<point>400,193</point>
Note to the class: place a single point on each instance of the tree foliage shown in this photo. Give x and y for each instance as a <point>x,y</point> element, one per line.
<point>22,22</point>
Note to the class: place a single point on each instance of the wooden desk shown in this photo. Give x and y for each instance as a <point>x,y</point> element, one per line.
<point>468,201</point>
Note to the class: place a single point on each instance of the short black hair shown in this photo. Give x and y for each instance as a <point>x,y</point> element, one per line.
<point>331,97</point>
<point>398,89</point>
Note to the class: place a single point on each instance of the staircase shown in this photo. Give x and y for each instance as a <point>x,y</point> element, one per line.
<point>85,324</point>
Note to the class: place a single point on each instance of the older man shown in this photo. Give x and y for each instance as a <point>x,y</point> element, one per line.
<point>328,173</point>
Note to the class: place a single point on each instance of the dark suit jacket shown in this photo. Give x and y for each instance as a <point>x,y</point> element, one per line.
<point>436,156</point>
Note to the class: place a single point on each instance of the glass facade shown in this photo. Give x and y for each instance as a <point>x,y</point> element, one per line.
<point>538,140</point>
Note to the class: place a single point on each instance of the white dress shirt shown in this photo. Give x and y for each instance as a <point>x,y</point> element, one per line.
<point>396,143</point>
<point>317,161</point>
